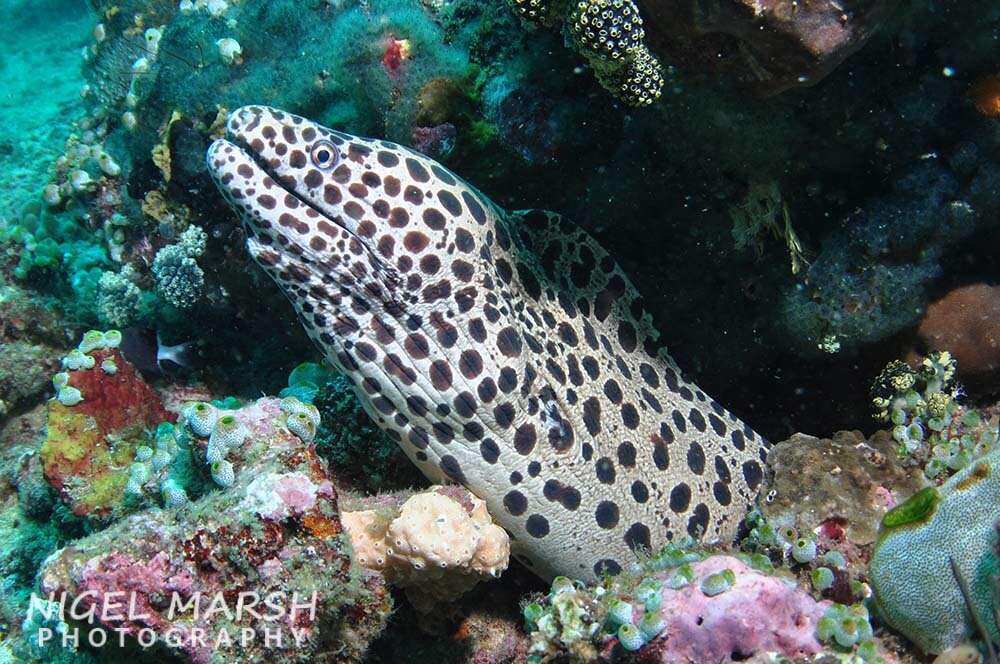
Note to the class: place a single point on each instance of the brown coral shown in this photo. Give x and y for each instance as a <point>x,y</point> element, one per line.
<point>985,95</point>
<point>966,322</point>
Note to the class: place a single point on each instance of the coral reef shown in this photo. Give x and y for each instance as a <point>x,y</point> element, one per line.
<point>916,590</point>
<point>276,528</point>
<point>437,544</point>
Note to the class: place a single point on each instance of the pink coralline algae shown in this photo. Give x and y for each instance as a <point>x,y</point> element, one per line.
<point>277,497</point>
<point>760,613</point>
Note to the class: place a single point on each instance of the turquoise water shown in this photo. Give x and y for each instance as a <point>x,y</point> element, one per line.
<point>457,237</point>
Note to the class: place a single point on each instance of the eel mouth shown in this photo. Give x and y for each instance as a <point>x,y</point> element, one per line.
<point>243,176</point>
<point>284,182</point>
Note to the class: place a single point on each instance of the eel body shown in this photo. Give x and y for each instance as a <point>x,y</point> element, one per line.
<point>505,351</point>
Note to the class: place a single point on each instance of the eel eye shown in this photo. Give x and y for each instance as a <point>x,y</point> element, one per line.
<point>323,154</point>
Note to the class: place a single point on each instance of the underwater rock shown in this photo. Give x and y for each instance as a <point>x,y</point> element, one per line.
<point>844,478</point>
<point>31,341</point>
<point>865,284</point>
<point>783,44</point>
<point>437,545</point>
<point>276,528</point>
<point>103,413</point>
<point>25,368</point>
<point>966,322</point>
<point>915,589</point>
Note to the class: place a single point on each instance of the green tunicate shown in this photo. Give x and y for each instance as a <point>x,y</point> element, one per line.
<point>835,558</point>
<point>867,651</point>
<point>825,627</point>
<point>532,612</point>
<point>305,380</point>
<point>682,577</point>
<point>761,563</point>
<point>630,637</point>
<point>845,632</point>
<point>918,508</point>
<point>822,578</point>
<point>767,535</point>
<point>60,380</point>
<point>650,593</point>
<point>92,340</point>
<point>804,550</point>
<point>971,418</point>
<point>112,339</point>
<point>718,583</point>
<point>562,584</point>
<point>69,396</point>
<point>651,624</point>
<point>620,612</point>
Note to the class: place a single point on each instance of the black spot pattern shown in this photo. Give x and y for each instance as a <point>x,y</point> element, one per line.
<point>475,336</point>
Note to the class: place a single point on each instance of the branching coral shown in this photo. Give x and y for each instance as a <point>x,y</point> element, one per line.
<point>119,299</point>
<point>179,279</point>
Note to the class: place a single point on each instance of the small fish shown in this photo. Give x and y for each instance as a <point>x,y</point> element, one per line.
<point>145,349</point>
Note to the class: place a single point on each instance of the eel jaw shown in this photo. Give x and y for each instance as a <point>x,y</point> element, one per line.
<point>277,238</point>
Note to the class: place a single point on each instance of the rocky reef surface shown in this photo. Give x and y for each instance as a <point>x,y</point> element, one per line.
<point>806,194</point>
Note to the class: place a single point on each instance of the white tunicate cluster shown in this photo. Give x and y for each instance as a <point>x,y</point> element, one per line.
<point>80,180</point>
<point>173,493</point>
<point>301,418</point>
<point>153,37</point>
<point>76,360</point>
<point>79,360</point>
<point>69,396</point>
<point>225,432</point>
<point>200,417</point>
<point>223,473</point>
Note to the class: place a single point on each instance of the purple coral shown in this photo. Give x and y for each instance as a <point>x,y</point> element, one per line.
<point>759,613</point>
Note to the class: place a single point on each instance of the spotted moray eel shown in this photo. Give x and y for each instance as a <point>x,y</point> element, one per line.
<point>505,351</point>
